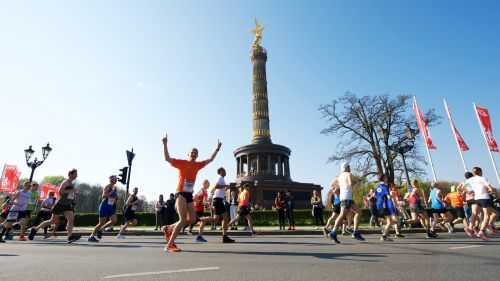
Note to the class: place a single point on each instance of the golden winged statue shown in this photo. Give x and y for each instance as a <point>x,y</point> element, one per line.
<point>257,31</point>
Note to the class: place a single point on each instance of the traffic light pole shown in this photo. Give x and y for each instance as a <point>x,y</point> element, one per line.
<point>128,178</point>
<point>130,157</point>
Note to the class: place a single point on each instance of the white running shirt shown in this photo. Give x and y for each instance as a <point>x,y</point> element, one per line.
<point>345,186</point>
<point>220,193</point>
<point>479,185</point>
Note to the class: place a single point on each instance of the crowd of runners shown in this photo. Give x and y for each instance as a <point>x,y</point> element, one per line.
<point>471,204</point>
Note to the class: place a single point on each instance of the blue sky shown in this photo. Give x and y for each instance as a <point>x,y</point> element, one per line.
<point>98,77</point>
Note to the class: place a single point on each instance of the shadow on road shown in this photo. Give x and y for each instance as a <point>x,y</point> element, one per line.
<point>283,243</point>
<point>338,256</point>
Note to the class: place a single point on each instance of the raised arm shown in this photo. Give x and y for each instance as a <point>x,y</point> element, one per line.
<point>165,149</point>
<point>214,154</point>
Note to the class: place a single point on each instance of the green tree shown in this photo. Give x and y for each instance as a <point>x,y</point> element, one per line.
<point>55,180</point>
<point>371,131</point>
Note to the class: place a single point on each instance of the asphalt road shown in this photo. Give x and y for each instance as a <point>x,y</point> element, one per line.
<point>451,257</point>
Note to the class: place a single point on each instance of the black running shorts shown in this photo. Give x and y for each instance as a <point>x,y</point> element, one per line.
<point>219,207</point>
<point>243,211</point>
<point>188,196</point>
<point>485,203</point>
<point>347,204</point>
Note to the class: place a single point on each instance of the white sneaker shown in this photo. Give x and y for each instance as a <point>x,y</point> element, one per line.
<point>119,236</point>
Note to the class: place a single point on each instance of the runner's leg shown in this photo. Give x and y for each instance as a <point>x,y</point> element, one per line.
<point>182,211</point>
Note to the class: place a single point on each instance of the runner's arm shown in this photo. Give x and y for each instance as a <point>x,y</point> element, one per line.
<point>64,185</point>
<point>165,149</point>
<point>214,154</point>
<point>129,199</point>
<point>106,191</point>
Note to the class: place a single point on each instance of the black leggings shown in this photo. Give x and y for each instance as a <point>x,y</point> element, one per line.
<point>281,218</point>
<point>291,219</point>
<point>318,216</point>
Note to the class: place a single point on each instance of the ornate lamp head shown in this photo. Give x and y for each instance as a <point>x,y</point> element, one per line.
<point>46,151</point>
<point>28,153</point>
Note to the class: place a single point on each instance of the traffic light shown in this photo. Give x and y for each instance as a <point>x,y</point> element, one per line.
<point>122,177</point>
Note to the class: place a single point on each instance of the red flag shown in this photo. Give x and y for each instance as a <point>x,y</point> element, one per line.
<point>10,179</point>
<point>484,118</point>
<point>422,125</point>
<point>47,188</point>
<point>458,138</point>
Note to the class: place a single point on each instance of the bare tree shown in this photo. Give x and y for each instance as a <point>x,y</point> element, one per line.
<point>372,130</point>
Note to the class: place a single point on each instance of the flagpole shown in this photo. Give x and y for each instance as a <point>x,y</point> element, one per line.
<point>425,142</point>
<point>454,134</point>
<point>487,146</point>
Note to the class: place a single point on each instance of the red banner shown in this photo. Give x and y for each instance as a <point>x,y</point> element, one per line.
<point>46,188</point>
<point>10,179</point>
<point>484,118</point>
<point>422,126</point>
<point>458,138</point>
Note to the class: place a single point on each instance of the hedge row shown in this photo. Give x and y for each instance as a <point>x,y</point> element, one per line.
<point>260,218</point>
<point>303,217</point>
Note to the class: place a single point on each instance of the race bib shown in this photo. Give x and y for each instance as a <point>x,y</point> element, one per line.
<point>111,201</point>
<point>134,208</point>
<point>12,216</point>
<point>71,195</point>
<point>188,186</point>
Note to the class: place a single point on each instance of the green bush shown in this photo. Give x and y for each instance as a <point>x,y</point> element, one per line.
<point>260,218</point>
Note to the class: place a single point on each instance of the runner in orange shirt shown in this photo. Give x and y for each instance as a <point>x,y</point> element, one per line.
<point>188,169</point>
<point>456,201</point>
<point>244,207</point>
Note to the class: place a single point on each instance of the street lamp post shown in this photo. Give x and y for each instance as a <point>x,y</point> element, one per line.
<point>28,153</point>
<point>402,150</point>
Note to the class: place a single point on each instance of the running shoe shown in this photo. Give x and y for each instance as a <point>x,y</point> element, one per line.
<point>99,234</point>
<point>32,234</point>
<point>385,238</point>
<point>333,236</point>
<point>167,233</point>
<point>226,239</point>
<point>325,232</point>
<point>92,239</point>
<point>75,237</point>
<point>492,229</point>
<point>119,236</point>
<point>46,236</point>
<point>483,236</point>
<point>431,235</point>
<point>172,249</point>
<point>469,232</point>
<point>22,238</point>
<point>356,235</point>
<point>200,239</point>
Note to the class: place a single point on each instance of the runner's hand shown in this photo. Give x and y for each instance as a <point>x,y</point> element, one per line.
<point>165,139</point>
<point>219,144</point>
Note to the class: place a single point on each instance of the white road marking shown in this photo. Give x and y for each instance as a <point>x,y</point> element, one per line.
<point>162,272</point>
<point>465,247</point>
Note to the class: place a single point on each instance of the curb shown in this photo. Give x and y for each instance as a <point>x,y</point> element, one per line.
<point>244,233</point>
